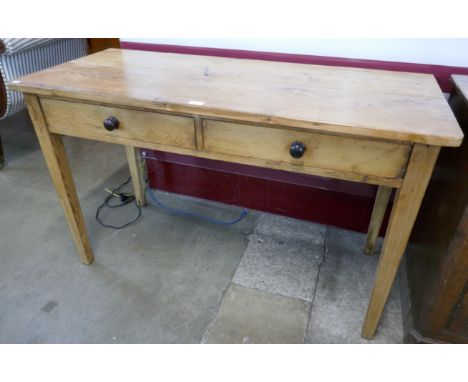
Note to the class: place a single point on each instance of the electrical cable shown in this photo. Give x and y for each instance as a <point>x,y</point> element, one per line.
<point>180,212</point>
<point>205,218</point>
<point>125,198</point>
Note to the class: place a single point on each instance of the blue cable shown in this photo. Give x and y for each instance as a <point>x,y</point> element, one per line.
<point>193,214</point>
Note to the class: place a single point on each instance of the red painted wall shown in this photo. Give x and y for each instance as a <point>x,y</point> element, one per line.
<point>339,203</point>
<point>328,201</point>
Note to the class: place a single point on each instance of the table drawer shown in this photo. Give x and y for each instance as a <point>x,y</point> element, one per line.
<point>354,155</point>
<point>86,121</point>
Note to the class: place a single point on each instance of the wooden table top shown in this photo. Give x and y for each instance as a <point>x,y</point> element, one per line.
<point>369,103</point>
<point>461,82</point>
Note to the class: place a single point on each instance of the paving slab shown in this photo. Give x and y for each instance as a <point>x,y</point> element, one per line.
<point>283,228</point>
<point>283,256</point>
<point>346,272</point>
<point>252,316</point>
<point>289,268</point>
<point>339,321</point>
<point>343,290</point>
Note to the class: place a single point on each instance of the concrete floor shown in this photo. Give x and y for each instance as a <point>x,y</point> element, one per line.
<point>169,279</point>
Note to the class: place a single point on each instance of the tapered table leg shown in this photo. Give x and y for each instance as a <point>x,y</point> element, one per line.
<point>59,169</point>
<point>378,213</point>
<point>404,211</point>
<point>136,173</point>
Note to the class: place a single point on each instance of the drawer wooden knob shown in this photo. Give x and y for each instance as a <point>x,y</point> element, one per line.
<point>111,123</point>
<point>297,149</point>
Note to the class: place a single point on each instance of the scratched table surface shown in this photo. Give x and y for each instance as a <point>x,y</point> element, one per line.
<point>371,103</point>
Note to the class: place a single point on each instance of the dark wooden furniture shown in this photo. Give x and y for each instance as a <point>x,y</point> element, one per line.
<point>98,44</point>
<point>437,257</point>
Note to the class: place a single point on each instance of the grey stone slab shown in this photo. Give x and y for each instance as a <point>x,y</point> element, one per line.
<point>346,272</point>
<point>343,290</point>
<point>339,321</point>
<point>286,229</point>
<point>285,267</point>
<point>350,246</point>
<point>252,316</point>
<point>158,281</point>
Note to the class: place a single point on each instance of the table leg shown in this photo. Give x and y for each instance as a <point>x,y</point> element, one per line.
<point>404,211</point>
<point>59,169</point>
<point>136,173</point>
<point>380,206</point>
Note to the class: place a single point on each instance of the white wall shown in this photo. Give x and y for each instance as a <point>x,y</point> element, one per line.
<point>451,52</point>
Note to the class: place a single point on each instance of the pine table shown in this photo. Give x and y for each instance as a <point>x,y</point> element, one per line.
<point>378,127</point>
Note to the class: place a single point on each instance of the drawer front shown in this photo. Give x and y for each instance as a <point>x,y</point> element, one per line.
<point>86,121</point>
<point>353,155</point>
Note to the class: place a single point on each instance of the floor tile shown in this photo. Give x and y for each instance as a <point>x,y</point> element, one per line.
<point>347,273</point>
<point>252,316</point>
<point>283,267</point>
<point>282,228</point>
<point>339,321</point>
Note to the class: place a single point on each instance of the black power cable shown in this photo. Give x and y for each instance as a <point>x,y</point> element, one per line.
<point>125,198</point>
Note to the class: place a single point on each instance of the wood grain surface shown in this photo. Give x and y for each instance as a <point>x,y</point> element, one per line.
<point>369,103</point>
<point>359,156</point>
<point>86,120</point>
